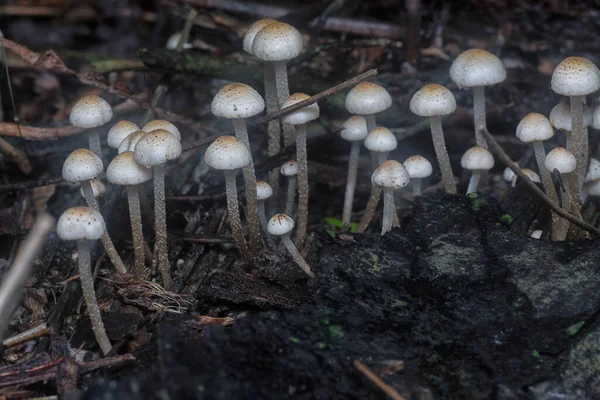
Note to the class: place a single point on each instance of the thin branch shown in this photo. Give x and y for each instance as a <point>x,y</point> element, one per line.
<point>278,114</point>
<point>15,187</point>
<point>387,389</point>
<point>497,150</point>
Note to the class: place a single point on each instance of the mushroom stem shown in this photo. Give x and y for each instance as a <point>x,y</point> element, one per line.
<point>350,184</point>
<point>274,127</point>
<point>540,156</point>
<point>136,230</point>
<point>160,213</point>
<point>579,142</point>
<point>416,186</point>
<point>234,215</point>
<point>474,182</point>
<point>565,199</point>
<point>439,144</point>
<point>377,158</point>
<point>291,195</point>
<point>94,143</point>
<point>388,210</point>
<point>479,114</point>
<point>239,126</point>
<point>287,242</point>
<point>262,215</point>
<point>112,253</point>
<point>87,286</point>
<point>283,92</point>
<point>302,159</point>
<point>371,122</point>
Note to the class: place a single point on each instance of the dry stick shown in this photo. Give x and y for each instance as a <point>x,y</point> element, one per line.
<point>497,150</point>
<point>19,157</point>
<point>387,389</point>
<point>26,336</point>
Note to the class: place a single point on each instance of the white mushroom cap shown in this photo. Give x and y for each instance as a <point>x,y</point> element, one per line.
<point>477,67</point>
<point>560,159</point>
<point>534,127</point>
<point>575,76</point>
<point>593,172</point>
<point>253,30</point>
<point>98,188</point>
<point>277,42</point>
<point>532,175</point>
<point>290,168</point>
<point>560,116</point>
<point>593,188</point>
<point>80,223</point>
<point>280,224</point>
<point>128,144</point>
<point>237,100</point>
<point>355,129</point>
<point>595,117</point>
<point>157,148</point>
<point>417,167</point>
<point>264,191</point>
<point>303,115</point>
<point>433,100</point>
<point>227,153</point>
<point>381,140</point>
<point>391,175</point>
<point>508,174</point>
<point>120,131</point>
<point>537,234</point>
<point>90,112</point>
<point>81,165</point>
<point>124,170</point>
<point>367,98</point>
<point>162,124</point>
<point>174,41</point>
<point>477,159</point>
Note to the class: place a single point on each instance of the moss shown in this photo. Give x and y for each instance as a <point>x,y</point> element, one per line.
<point>321,345</point>
<point>477,202</point>
<point>336,331</point>
<point>506,219</point>
<point>399,303</point>
<point>294,339</point>
<point>573,329</point>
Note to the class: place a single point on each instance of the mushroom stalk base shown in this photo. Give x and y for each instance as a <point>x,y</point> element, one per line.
<point>239,125</point>
<point>291,195</point>
<point>540,157</point>
<point>388,210</point>
<point>416,186</point>
<point>283,92</point>
<point>302,159</point>
<point>112,253</point>
<point>350,184</point>
<point>94,143</point>
<point>566,205</point>
<point>262,216</point>
<point>89,295</point>
<point>479,114</point>
<point>439,144</point>
<point>377,159</point>
<point>234,216</point>
<point>136,231</point>
<point>579,141</point>
<point>287,242</point>
<point>474,182</point>
<point>371,122</point>
<point>160,213</point>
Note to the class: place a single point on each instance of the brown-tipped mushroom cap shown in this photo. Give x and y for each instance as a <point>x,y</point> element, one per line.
<point>157,148</point>
<point>534,127</point>
<point>560,116</point>
<point>575,76</point>
<point>289,168</point>
<point>303,115</point>
<point>80,223</point>
<point>120,131</point>
<point>277,42</point>
<point>280,224</point>
<point>433,100</point>
<point>124,170</point>
<point>237,100</point>
<point>417,167</point>
<point>253,30</point>
<point>390,174</point>
<point>128,144</point>
<point>227,153</point>
<point>381,139</point>
<point>81,165</point>
<point>532,175</point>
<point>156,124</point>
<point>355,129</point>
<point>477,159</point>
<point>367,98</point>
<point>477,67</point>
<point>90,112</point>
<point>264,191</point>
<point>560,159</point>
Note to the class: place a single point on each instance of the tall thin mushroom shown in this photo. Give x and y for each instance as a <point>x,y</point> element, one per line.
<point>434,101</point>
<point>418,168</point>
<point>368,99</point>
<point>355,131</point>
<point>290,170</point>
<point>91,112</point>
<point>477,160</point>
<point>565,163</point>
<point>560,118</point>
<point>282,225</point>
<point>263,193</point>
<point>391,176</point>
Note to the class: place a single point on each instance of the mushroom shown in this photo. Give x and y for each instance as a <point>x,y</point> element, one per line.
<point>120,131</point>
<point>263,193</point>
<point>434,101</point>
<point>390,175</point>
<point>83,224</point>
<point>477,159</point>
<point>237,101</point>
<point>228,154</point>
<point>591,178</point>
<point>98,188</point>
<point>91,112</point>
<point>290,169</point>
<point>125,171</point>
<point>477,68</point>
<point>564,162</point>
<point>418,167</point>
<point>162,124</point>
<point>277,43</point>
<point>281,225</point>
<point>595,117</point>
<point>509,176</point>
<point>577,77</point>
<point>355,131</point>
<point>560,118</point>
<point>380,141</point>
<point>173,42</point>
<point>299,119</point>
<point>155,149</point>
<point>531,174</point>
<point>82,166</point>
<point>368,99</point>
<point>128,144</point>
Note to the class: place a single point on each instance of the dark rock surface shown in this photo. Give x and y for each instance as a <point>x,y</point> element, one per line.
<point>473,311</point>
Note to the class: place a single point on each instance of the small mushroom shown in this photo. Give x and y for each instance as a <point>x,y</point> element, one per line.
<point>564,162</point>
<point>418,168</point>
<point>128,144</point>
<point>91,112</point>
<point>263,193</point>
<point>120,131</point>
<point>281,225</point>
<point>156,124</point>
<point>560,118</point>
<point>355,131</point>
<point>477,159</point>
<point>290,169</point>
<point>390,175</point>
<point>368,99</point>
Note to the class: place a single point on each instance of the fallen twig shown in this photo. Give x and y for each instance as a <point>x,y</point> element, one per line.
<point>387,389</point>
<point>26,336</point>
